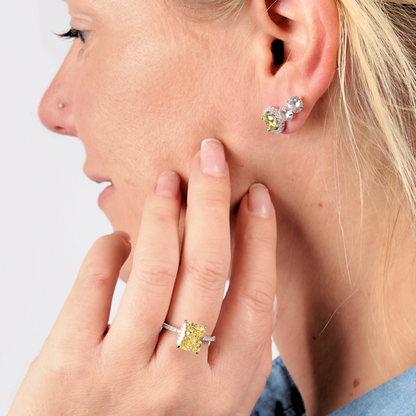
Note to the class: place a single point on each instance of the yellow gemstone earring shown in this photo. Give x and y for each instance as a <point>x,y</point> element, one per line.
<point>276,119</point>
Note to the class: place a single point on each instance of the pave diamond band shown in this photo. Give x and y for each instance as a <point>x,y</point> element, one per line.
<point>190,336</point>
<point>178,330</point>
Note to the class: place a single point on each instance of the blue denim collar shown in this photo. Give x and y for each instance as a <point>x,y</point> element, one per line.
<point>395,397</point>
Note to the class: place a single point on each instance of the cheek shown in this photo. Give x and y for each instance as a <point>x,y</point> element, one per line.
<point>131,113</point>
<point>135,112</point>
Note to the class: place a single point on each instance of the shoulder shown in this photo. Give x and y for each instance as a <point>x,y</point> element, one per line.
<point>394,397</point>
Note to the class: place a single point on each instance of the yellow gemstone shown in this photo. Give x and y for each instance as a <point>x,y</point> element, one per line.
<point>190,338</point>
<point>271,121</point>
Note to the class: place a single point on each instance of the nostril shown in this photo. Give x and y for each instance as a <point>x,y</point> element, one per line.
<point>63,131</point>
<point>55,114</point>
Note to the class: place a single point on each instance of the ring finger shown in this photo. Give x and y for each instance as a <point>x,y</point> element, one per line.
<point>206,251</point>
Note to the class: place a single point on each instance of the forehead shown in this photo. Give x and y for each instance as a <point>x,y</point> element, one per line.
<point>103,7</point>
<point>94,10</point>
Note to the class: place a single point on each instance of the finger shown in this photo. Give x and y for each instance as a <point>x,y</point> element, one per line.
<point>146,298</point>
<point>206,251</point>
<point>247,314</point>
<point>258,382</point>
<point>84,316</point>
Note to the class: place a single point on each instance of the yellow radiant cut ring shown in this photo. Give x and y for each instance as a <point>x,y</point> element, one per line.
<point>190,336</point>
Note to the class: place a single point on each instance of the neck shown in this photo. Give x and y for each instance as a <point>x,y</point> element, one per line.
<point>346,317</point>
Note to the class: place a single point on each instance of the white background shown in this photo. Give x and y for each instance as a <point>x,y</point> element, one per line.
<point>49,216</point>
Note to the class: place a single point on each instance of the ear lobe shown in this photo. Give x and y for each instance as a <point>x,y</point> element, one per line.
<point>309,31</point>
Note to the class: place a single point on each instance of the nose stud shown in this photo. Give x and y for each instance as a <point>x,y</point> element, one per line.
<point>61,105</point>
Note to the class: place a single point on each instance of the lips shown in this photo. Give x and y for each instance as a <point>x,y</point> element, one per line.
<point>96,175</point>
<point>99,179</point>
<point>95,172</point>
<point>105,196</point>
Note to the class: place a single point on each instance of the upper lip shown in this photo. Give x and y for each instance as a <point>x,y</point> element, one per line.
<point>95,176</point>
<point>99,179</point>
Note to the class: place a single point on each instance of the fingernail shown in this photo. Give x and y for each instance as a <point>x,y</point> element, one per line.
<point>259,202</point>
<point>168,184</point>
<point>213,157</point>
<point>123,234</point>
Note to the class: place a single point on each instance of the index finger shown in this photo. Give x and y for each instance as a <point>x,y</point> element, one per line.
<point>146,299</point>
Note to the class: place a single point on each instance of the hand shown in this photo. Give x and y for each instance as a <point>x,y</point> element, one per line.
<point>134,368</point>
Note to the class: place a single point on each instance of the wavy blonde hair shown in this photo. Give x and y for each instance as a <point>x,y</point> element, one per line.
<point>375,86</point>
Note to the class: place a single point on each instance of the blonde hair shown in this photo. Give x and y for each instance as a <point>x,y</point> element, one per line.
<point>376,91</point>
<point>377,84</point>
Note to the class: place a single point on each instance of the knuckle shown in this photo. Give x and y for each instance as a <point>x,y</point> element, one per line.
<point>214,198</point>
<point>161,215</point>
<point>257,296</point>
<point>97,276</point>
<point>258,237</point>
<point>210,275</point>
<point>151,272</point>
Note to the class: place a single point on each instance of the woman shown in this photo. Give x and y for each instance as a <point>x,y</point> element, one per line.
<point>331,237</point>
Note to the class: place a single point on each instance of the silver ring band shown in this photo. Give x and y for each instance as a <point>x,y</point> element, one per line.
<point>179,330</point>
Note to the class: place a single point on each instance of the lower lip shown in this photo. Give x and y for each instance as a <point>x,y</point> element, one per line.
<point>104,195</point>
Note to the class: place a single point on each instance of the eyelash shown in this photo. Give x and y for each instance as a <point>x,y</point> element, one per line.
<point>74,34</point>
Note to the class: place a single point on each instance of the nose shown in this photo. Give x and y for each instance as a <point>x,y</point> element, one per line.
<point>56,107</point>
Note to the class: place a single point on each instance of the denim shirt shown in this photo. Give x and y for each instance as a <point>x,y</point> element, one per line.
<point>396,397</point>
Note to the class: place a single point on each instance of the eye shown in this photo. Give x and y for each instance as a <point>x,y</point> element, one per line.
<point>75,34</point>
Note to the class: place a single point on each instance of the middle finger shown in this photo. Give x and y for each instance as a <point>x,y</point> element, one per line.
<point>206,251</point>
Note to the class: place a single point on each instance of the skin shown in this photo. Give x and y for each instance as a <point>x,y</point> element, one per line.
<point>149,85</point>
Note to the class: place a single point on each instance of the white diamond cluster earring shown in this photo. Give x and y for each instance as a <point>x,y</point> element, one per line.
<point>276,119</point>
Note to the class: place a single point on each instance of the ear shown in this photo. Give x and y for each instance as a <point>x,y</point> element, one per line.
<point>297,47</point>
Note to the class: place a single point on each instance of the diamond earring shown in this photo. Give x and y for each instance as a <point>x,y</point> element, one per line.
<point>276,119</point>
